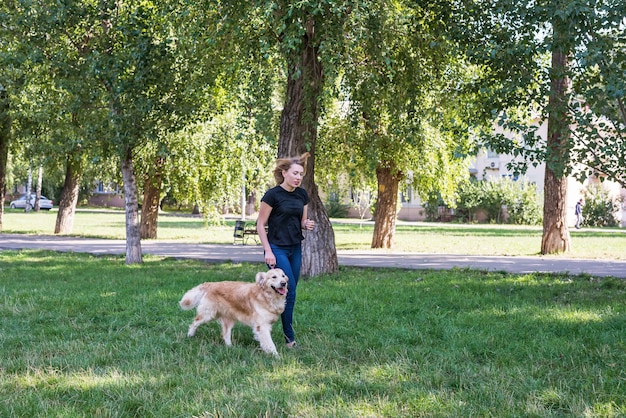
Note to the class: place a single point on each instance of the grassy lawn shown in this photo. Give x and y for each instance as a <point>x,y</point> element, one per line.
<point>421,237</point>
<point>86,336</point>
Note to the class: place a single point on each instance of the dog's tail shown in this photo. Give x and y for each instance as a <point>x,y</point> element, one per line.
<point>192,298</point>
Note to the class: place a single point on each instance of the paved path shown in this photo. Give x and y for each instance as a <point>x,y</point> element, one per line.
<point>369,258</point>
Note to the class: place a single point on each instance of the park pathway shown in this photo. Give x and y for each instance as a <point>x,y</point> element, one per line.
<point>366,258</point>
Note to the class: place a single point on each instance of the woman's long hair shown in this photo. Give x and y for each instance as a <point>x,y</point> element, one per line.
<point>286,163</point>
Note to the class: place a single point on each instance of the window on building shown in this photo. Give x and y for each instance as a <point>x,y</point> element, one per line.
<point>491,153</point>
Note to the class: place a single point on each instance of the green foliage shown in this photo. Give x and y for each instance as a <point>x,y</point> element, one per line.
<point>468,200</point>
<point>88,77</point>
<point>431,208</point>
<point>89,336</point>
<point>519,197</point>
<point>226,155</point>
<point>599,207</point>
<point>517,71</point>
<point>526,206</point>
<point>336,209</point>
<point>403,114</point>
<point>600,121</point>
<point>106,78</point>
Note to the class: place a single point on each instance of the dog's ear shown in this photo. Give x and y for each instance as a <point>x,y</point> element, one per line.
<point>260,278</point>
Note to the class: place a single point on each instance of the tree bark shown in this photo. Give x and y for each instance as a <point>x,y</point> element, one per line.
<point>37,207</point>
<point>151,198</point>
<point>69,194</point>
<point>133,240</point>
<point>319,255</point>
<point>5,137</point>
<point>556,236</point>
<point>298,134</point>
<point>386,206</point>
<point>29,189</point>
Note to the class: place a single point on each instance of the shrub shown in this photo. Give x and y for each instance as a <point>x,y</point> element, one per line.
<point>497,194</point>
<point>469,200</point>
<point>519,197</point>
<point>600,208</point>
<point>431,208</point>
<point>336,209</point>
<point>526,207</point>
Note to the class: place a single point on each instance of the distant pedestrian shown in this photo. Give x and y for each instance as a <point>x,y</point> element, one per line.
<point>578,211</point>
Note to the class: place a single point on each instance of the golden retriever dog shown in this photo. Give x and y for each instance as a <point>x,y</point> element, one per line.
<point>257,305</point>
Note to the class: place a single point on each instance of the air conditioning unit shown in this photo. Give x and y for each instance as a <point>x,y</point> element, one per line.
<point>493,164</point>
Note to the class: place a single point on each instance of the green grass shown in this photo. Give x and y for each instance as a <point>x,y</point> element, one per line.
<point>421,237</point>
<point>86,336</point>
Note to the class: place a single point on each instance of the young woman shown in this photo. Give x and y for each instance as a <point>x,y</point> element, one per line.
<point>284,211</point>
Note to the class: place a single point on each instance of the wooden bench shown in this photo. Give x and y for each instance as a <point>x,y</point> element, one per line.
<point>245,231</point>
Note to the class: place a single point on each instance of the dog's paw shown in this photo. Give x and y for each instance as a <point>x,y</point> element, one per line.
<point>270,350</point>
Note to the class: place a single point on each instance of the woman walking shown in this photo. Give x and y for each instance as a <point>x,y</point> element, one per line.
<point>284,211</point>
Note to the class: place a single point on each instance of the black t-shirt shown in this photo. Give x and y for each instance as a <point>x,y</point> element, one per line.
<point>284,223</point>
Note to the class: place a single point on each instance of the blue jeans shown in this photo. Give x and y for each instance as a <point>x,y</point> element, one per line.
<point>289,259</point>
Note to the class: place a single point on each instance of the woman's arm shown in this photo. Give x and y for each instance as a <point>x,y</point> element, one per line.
<point>305,222</point>
<point>261,222</point>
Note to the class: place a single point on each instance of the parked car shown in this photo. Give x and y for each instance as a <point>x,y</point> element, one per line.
<point>20,203</point>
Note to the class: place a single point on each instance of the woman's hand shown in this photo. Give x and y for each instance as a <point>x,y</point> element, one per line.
<point>308,224</point>
<point>270,259</point>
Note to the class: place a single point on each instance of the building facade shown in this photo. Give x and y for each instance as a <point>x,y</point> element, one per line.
<point>489,165</point>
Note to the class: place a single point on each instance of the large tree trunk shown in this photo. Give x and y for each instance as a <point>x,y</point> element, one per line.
<point>319,255</point>
<point>5,136</point>
<point>69,194</point>
<point>556,237</point>
<point>386,206</point>
<point>133,240</point>
<point>151,199</point>
<point>298,134</point>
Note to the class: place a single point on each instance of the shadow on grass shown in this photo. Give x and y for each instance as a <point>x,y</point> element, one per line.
<point>88,336</point>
